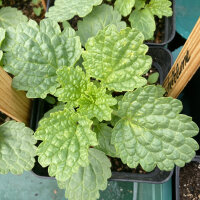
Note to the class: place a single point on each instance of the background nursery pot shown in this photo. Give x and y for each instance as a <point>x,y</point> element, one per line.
<point>187,180</point>
<point>165,29</point>
<point>169,29</point>
<point>162,61</point>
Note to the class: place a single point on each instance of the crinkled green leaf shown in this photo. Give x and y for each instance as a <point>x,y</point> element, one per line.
<point>2,35</point>
<point>67,9</point>
<point>86,183</point>
<point>152,132</point>
<point>34,53</point>
<point>139,4</point>
<point>73,83</point>
<point>17,149</point>
<point>124,6</point>
<point>117,59</point>
<point>98,19</point>
<point>66,137</point>
<point>11,17</point>
<point>143,20</point>
<point>160,7</point>
<point>104,133</point>
<point>96,103</point>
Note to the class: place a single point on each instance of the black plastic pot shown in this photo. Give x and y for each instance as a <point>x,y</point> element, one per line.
<point>169,26</point>
<point>162,60</point>
<point>177,180</point>
<point>169,29</point>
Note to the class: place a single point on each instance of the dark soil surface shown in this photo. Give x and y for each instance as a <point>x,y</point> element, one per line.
<point>118,166</point>
<point>26,7</point>
<point>190,182</point>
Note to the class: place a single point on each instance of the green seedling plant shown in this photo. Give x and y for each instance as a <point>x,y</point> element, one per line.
<point>90,122</point>
<point>140,13</point>
<point>37,9</point>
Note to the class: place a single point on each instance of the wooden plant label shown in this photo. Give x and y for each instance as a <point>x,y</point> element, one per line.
<point>13,103</point>
<point>186,64</point>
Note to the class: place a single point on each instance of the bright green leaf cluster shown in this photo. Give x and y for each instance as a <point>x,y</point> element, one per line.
<point>104,108</point>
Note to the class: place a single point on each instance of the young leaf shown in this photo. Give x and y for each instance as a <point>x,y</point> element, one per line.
<point>11,17</point>
<point>73,83</point>
<point>124,7</point>
<point>66,137</point>
<point>104,133</point>
<point>67,9</point>
<point>160,8</point>
<point>86,183</point>
<point>34,53</point>
<point>17,149</point>
<point>2,35</point>
<point>96,103</point>
<point>37,11</point>
<point>153,78</point>
<point>143,20</point>
<point>98,19</point>
<point>139,4</point>
<point>117,58</point>
<point>152,132</point>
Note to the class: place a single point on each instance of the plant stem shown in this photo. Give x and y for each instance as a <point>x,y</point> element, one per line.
<point>44,5</point>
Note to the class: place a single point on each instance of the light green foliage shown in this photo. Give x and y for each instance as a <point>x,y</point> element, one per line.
<point>66,137</point>
<point>86,183</point>
<point>143,20</point>
<point>104,133</point>
<point>124,6</point>
<point>77,90</point>
<point>153,78</point>
<point>1,54</point>
<point>37,11</point>
<point>117,59</point>
<point>160,8</point>
<point>11,17</point>
<point>139,4</point>
<point>98,19</point>
<point>96,103</point>
<point>73,83</point>
<point>2,35</point>
<point>34,53</point>
<point>0,2</point>
<point>66,24</point>
<point>67,9</point>
<point>17,149</point>
<point>152,132</point>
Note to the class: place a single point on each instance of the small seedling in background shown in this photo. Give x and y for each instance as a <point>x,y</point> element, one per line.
<point>0,2</point>
<point>153,78</point>
<point>38,9</point>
